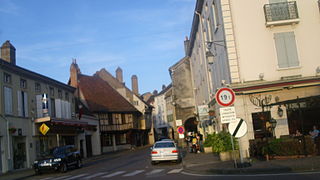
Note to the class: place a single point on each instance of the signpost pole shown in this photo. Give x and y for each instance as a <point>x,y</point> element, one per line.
<point>233,156</point>
<point>241,156</point>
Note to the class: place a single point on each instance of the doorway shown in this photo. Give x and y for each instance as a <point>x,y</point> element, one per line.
<point>191,124</point>
<point>19,153</point>
<point>88,145</point>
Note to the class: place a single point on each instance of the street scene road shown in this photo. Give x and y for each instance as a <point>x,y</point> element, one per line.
<point>136,165</point>
<point>161,89</point>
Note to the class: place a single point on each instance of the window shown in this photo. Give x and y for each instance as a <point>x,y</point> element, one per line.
<point>7,78</point>
<point>22,104</point>
<point>67,96</point>
<point>135,103</point>
<point>214,14</point>
<point>104,119</point>
<point>52,108</point>
<point>286,48</point>
<point>116,118</point>
<point>106,140</point>
<point>51,91</point>
<point>59,94</point>
<point>37,87</point>
<point>23,83</point>
<point>8,100</point>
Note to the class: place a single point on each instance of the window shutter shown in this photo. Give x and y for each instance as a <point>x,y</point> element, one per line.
<point>19,103</point>
<point>68,110</point>
<point>8,100</point>
<point>58,108</point>
<point>26,104</point>
<point>291,48</point>
<point>281,50</point>
<point>39,106</point>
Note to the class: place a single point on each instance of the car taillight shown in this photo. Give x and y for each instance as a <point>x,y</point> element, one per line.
<point>154,152</point>
<point>175,151</point>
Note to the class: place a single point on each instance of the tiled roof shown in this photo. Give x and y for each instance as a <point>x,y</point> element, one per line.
<point>101,97</point>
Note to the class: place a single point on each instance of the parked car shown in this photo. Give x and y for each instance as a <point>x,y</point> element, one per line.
<point>164,151</point>
<point>58,159</point>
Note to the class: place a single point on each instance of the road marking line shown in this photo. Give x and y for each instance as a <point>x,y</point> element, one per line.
<point>95,175</point>
<point>133,173</point>
<point>249,175</point>
<point>113,174</point>
<point>175,171</point>
<point>47,178</point>
<point>62,177</point>
<point>75,177</point>
<point>155,171</point>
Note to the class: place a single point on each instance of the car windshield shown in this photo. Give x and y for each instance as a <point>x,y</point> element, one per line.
<point>164,145</point>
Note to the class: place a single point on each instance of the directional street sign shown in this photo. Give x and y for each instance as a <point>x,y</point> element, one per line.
<point>180,130</point>
<point>225,97</point>
<point>238,128</point>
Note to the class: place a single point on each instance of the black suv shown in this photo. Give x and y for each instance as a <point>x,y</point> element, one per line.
<point>58,159</point>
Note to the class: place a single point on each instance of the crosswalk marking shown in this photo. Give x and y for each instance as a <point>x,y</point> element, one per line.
<point>95,175</point>
<point>76,177</point>
<point>113,174</point>
<point>175,171</point>
<point>133,173</point>
<point>155,171</point>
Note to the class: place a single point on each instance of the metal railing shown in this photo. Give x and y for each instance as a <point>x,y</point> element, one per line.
<point>281,11</point>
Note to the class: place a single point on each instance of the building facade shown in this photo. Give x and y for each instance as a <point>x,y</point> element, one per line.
<point>272,64</point>
<point>118,119</point>
<point>23,112</point>
<point>132,96</point>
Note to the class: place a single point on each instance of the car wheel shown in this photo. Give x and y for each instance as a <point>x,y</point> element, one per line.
<point>63,168</point>
<point>79,164</point>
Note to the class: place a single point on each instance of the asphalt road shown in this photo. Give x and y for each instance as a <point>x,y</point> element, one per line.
<point>136,165</point>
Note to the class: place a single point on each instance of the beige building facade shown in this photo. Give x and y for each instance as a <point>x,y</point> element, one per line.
<point>266,51</point>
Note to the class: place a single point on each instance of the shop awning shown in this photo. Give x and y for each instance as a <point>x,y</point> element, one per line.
<point>64,122</point>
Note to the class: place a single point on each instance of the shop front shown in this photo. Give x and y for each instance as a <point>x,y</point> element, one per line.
<point>60,132</point>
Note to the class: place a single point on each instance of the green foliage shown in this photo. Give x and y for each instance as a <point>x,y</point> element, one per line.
<point>284,147</point>
<point>220,142</point>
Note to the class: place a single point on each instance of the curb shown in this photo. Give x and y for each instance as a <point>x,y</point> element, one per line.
<point>247,171</point>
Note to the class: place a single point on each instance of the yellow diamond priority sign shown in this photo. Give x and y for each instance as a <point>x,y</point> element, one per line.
<point>44,129</point>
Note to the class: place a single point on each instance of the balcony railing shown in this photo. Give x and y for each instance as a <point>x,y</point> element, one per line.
<point>281,13</point>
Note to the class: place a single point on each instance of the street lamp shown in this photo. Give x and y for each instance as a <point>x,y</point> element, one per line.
<point>273,123</point>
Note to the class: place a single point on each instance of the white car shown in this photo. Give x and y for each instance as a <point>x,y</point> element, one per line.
<point>164,151</point>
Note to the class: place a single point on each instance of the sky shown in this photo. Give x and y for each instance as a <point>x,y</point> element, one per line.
<point>142,37</point>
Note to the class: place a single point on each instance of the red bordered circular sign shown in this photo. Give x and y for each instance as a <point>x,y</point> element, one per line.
<point>225,97</point>
<point>180,130</point>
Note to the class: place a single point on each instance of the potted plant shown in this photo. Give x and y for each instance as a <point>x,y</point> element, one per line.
<point>222,144</point>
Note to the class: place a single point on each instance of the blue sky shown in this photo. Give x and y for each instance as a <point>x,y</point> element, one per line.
<point>143,37</point>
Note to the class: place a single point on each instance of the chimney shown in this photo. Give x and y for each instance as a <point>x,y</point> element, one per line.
<point>74,72</point>
<point>8,52</point>
<point>155,92</point>
<point>134,83</point>
<point>186,45</point>
<point>119,74</point>
<point>163,87</point>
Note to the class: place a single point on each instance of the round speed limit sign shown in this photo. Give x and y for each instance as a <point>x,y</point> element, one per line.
<point>225,97</point>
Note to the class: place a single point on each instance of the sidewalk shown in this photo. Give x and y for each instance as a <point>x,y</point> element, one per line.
<point>208,163</point>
